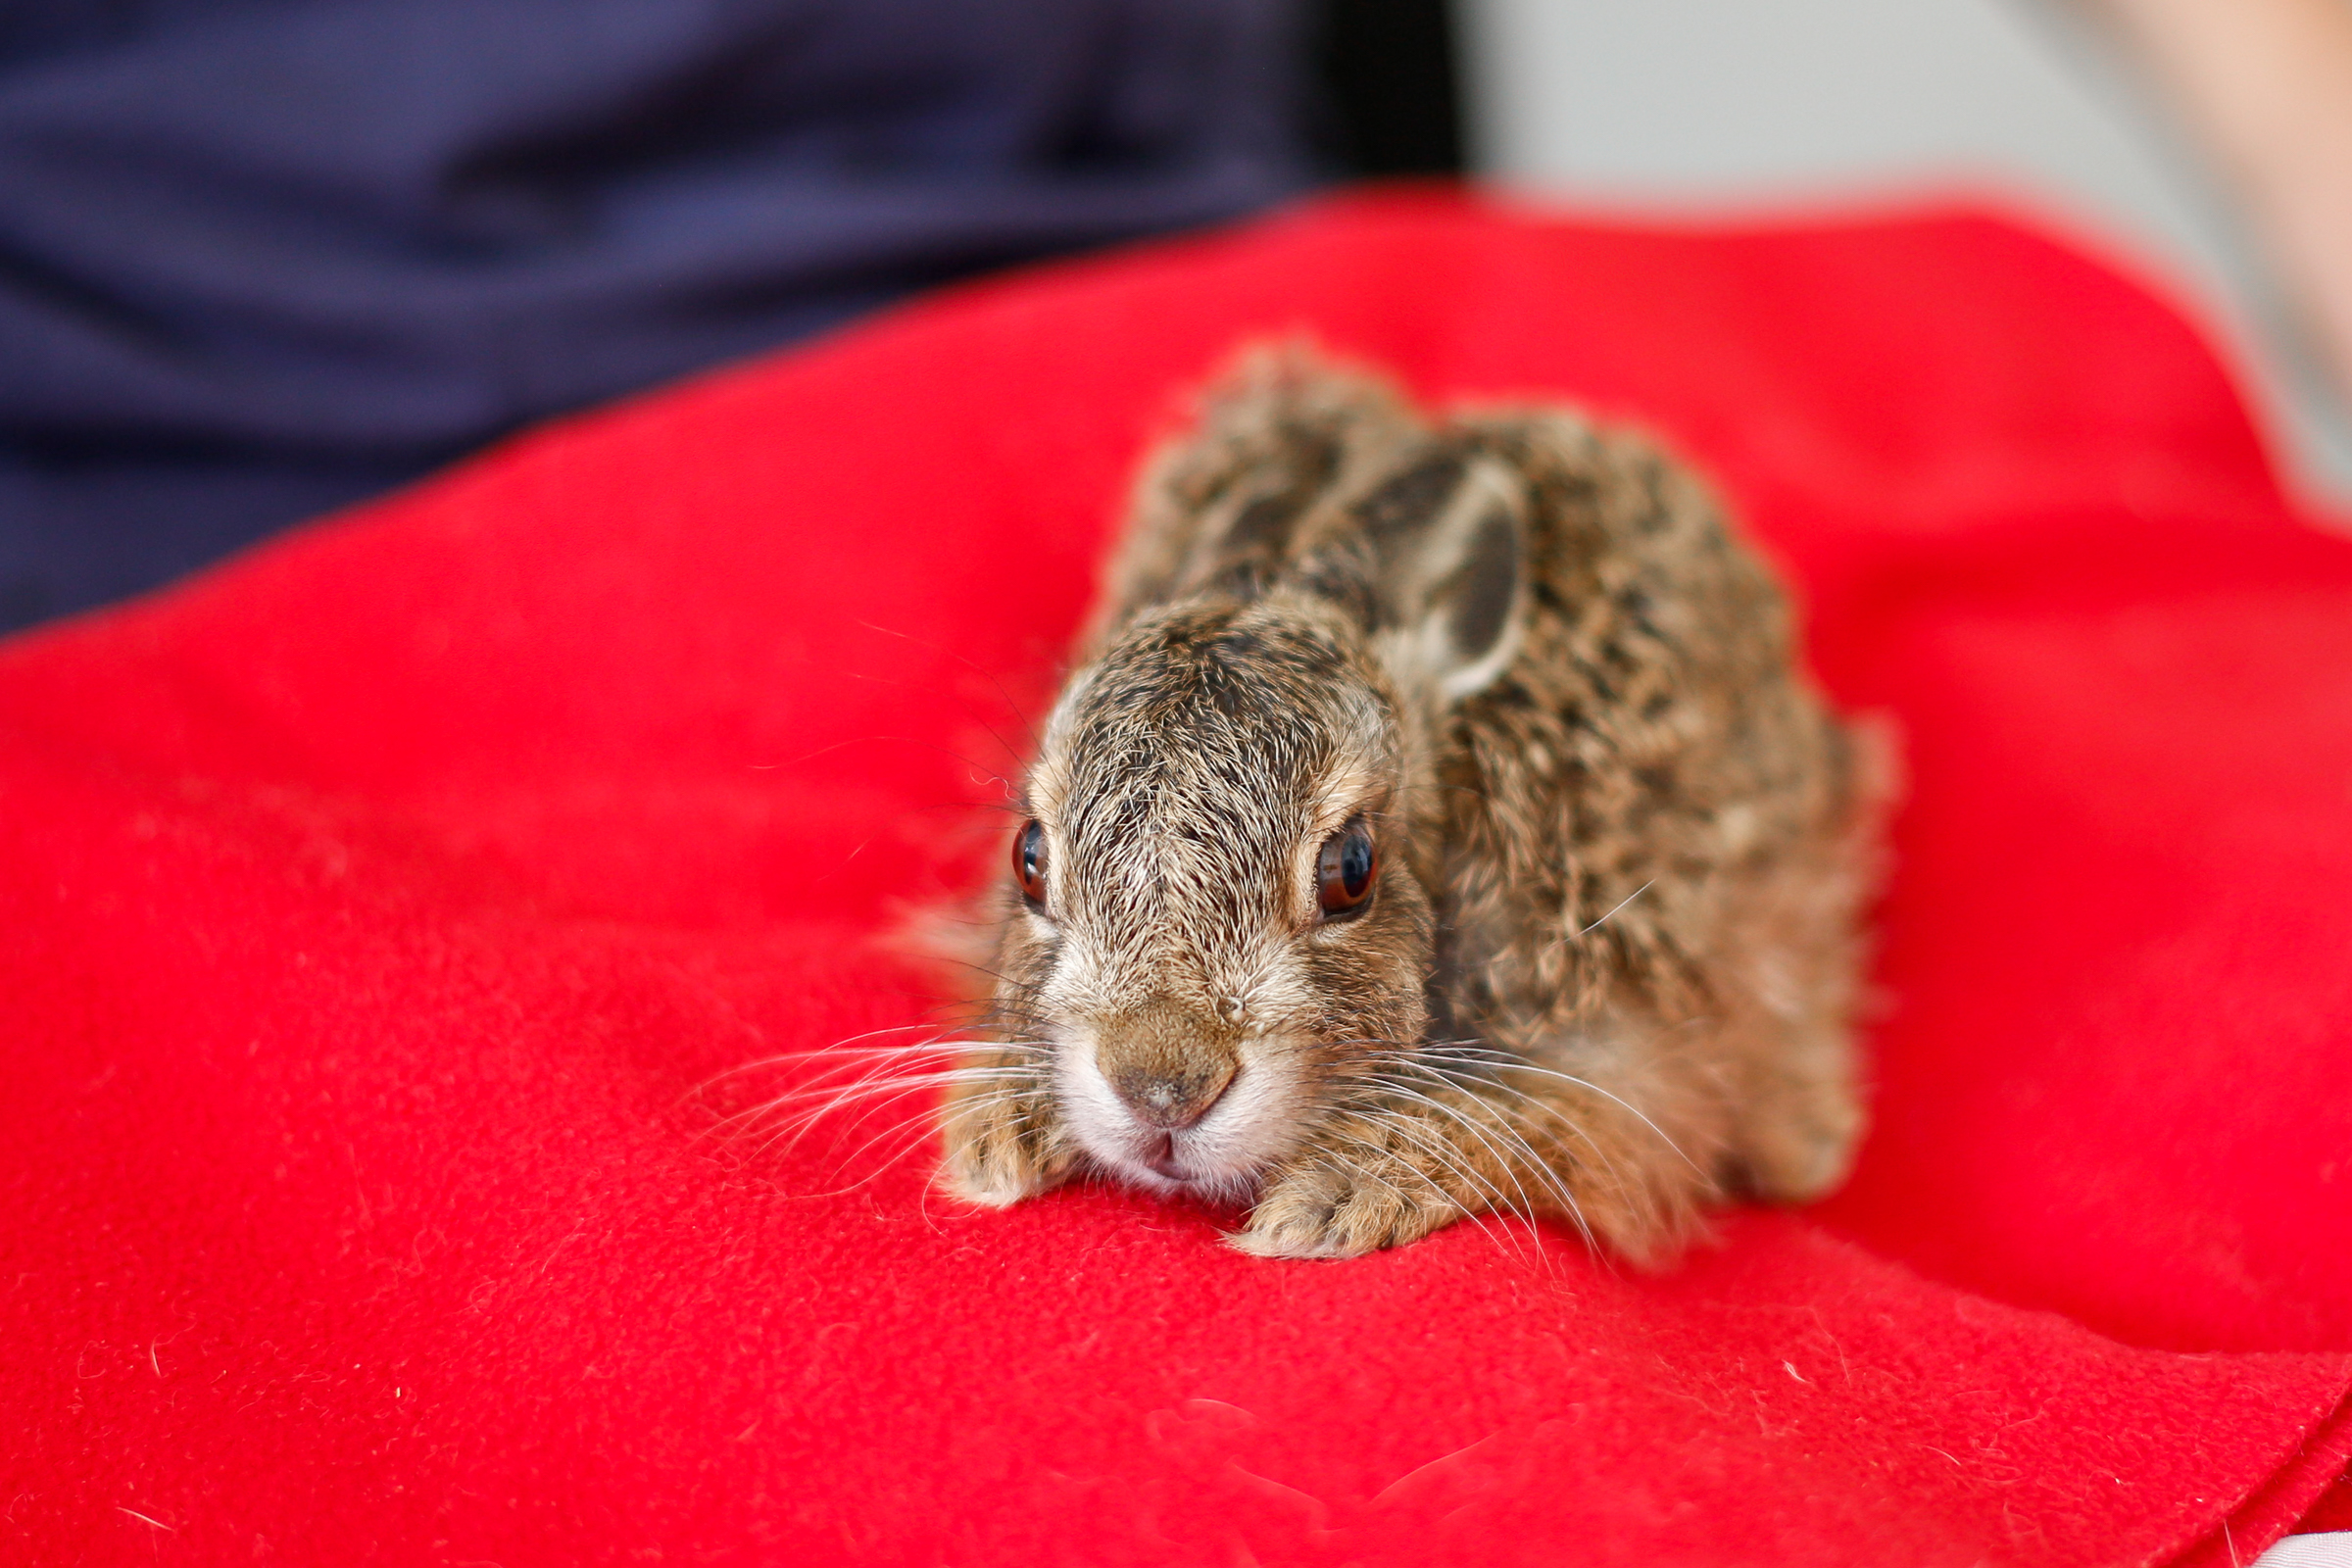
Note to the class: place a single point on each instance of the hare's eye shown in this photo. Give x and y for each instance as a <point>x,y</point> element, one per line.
<point>1344,871</point>
<point>1029,861</point>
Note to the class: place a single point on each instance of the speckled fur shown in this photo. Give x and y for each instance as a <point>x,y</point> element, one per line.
<point>1610,964</point>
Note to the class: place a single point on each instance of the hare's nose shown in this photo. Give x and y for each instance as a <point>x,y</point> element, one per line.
<point>1172,1100</point>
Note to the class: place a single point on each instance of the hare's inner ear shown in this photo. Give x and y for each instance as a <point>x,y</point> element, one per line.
<point>1448,542</point>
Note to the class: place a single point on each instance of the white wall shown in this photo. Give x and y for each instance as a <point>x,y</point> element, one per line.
<point>1726,104</point>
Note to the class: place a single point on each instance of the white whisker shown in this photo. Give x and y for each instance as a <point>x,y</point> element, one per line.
<point>1534,1164</point>
<point>1519,1065</point>
<point>1619,904</point>
<point>1445,1157</point>
<point>1539,1166</point>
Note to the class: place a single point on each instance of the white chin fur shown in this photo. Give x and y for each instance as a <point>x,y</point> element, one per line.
<point>1220,1156</point>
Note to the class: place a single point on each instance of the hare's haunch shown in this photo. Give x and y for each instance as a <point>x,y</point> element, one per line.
<point>1437,823</point>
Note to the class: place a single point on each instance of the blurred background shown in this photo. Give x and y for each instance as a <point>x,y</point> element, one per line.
<point>263,257</point>
<point>2070,112</point>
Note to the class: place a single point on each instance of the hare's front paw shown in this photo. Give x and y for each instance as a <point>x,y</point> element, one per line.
<point>1800,1146</point>
<point>1327,1208</point>
<point>1000,1148</point>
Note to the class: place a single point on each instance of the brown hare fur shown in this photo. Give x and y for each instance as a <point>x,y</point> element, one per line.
<point>1437,823</point>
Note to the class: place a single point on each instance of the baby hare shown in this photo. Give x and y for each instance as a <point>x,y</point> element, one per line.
<point>1437,823</point>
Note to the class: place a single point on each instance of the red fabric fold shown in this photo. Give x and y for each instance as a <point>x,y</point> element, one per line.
<point>386,907</point>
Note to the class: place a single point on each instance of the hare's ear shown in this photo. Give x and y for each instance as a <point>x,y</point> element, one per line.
<point>1279,432</point>
<point>1446,536</point>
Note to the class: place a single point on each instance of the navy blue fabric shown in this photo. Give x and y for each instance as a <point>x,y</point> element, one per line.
<point>260,257</point>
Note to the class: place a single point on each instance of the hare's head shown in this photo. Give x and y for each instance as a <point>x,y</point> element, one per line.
<point>1219,906</point>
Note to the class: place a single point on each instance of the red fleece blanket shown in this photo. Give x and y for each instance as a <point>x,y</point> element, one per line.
<point>381,908</point>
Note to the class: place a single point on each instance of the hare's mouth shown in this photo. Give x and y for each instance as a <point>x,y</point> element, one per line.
<point>1178,1161</point>
<point>1159,1153</point>
<point>1161,1163</point>
<point>1250,1127</point>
